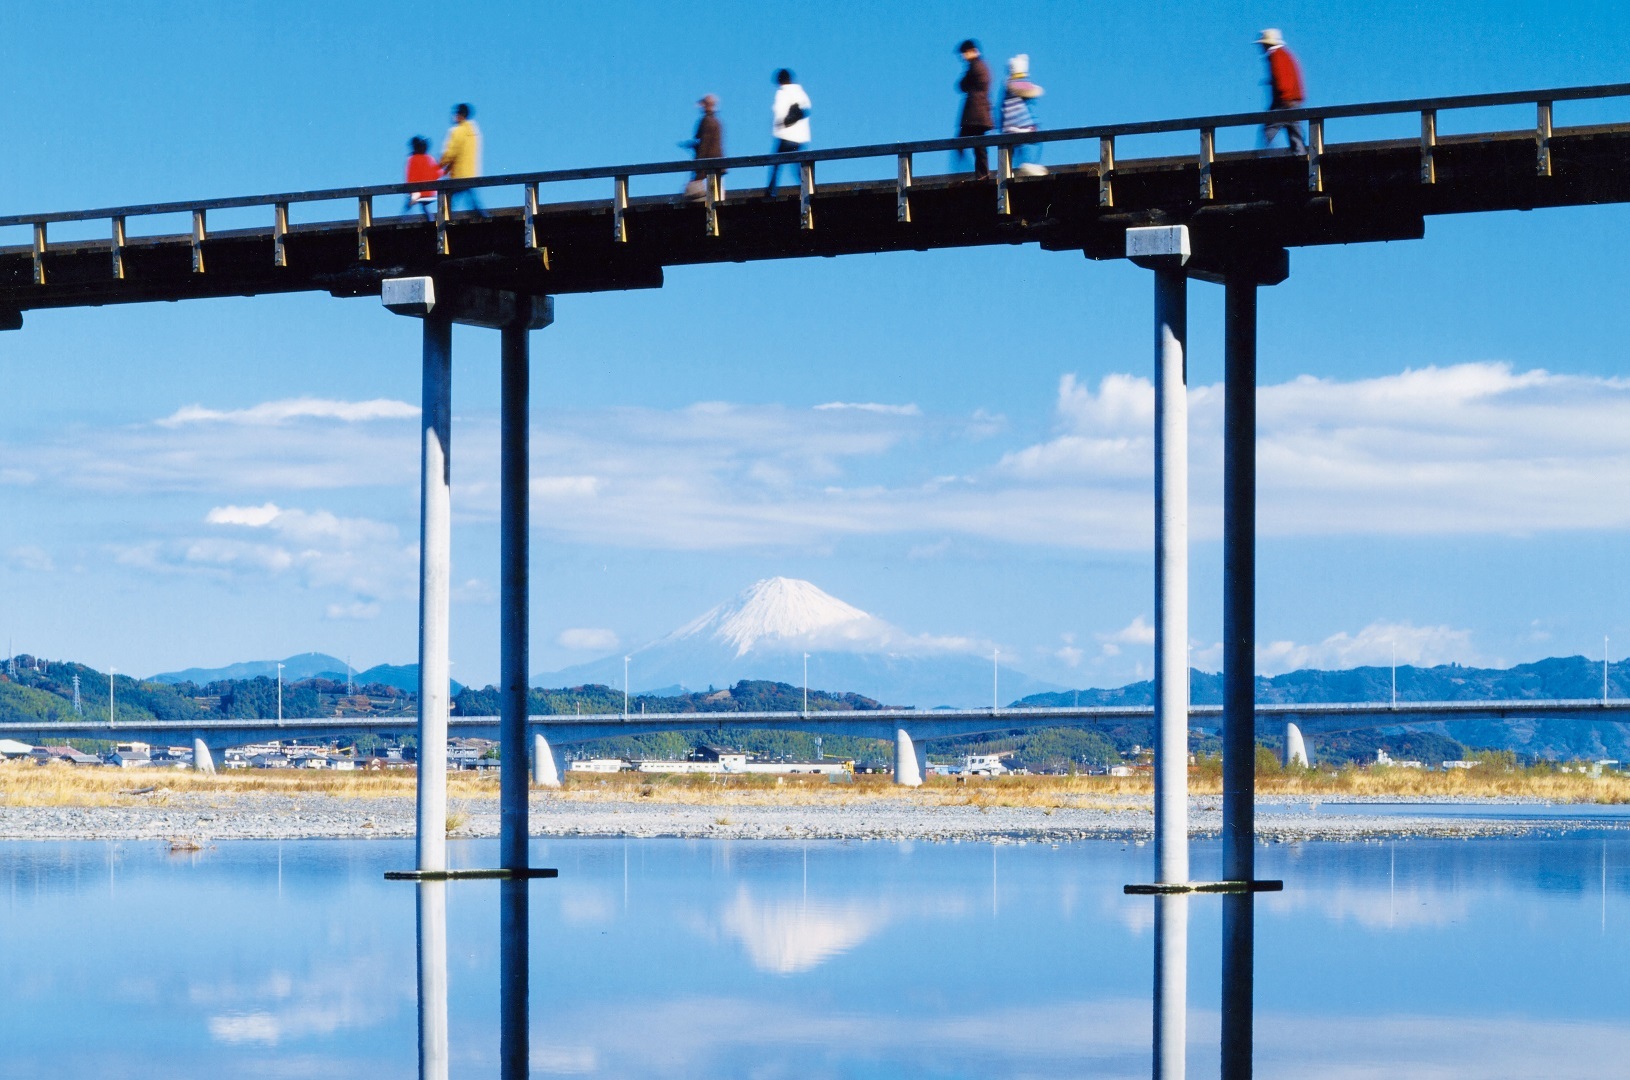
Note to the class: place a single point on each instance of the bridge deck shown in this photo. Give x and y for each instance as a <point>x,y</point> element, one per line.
<point>1242,209</point>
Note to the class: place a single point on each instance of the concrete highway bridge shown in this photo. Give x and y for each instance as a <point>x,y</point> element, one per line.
<point>1159,193</point>
<point>909,729</point>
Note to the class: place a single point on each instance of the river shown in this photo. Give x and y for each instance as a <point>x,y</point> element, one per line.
<point>1489,957</point>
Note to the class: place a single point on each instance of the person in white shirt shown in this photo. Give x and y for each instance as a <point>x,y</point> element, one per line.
<point>790,122</point>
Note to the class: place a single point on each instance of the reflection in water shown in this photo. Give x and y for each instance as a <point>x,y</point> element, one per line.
<point>119,960</point>
<point>432,923</point>
<point>789,936</point>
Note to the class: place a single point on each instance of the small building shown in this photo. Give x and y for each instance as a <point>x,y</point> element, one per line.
<point>66,755</point>
<point>597,765</point>
<point>130,756</point>
<point>11,748</point>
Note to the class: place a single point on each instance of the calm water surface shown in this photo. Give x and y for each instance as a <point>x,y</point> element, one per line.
<point>668,958</point>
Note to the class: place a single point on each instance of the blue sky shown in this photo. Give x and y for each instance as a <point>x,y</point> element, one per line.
<point>1446,457</point>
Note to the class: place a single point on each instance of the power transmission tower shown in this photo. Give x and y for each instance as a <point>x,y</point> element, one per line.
<point>79,709</point>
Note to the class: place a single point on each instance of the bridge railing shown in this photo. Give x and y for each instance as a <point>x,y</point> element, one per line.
<point>1204,127</point>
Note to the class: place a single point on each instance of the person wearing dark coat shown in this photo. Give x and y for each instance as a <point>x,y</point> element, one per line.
<point>976,112</point>
<point>708,143</point>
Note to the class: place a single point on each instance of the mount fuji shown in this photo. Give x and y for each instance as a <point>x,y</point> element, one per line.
<point>764,633</point>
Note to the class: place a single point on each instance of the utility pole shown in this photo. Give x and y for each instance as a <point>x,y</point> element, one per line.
<point>995,673</point>
<point>1604,669</point>
<point>625,687</point>
<point>280,693</point>
<point>806,686</point>
<point>111,670</point>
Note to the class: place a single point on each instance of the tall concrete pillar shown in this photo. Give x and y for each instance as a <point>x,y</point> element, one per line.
<point>1239,674</point>
<point>435,572</point>
<point>547,767</point>
<point>201,759</point>
<point>1171,668</point>
<point>909,763</point>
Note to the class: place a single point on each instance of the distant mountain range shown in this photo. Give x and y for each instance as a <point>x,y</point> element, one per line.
<point>1555,678</point>
<point>310,665</point>
<point>765,632</point>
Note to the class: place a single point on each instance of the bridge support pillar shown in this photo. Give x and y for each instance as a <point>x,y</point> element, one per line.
<point>202,760</point>
<point>1165,250</point>
<point>1239,674</point>
<point>547,768</point>
<point>514,602</point>
<point>909,760</point>
<point>1171,668</point>
<point>1295,747</point>
<point>435,573</point>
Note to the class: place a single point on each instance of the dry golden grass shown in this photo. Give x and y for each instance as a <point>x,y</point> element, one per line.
<point>26,784</point>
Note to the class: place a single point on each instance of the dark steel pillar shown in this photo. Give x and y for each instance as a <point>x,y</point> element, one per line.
<point>1239,673</point>
<point>513,604</point>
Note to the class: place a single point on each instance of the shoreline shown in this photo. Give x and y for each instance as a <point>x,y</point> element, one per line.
<point>202,818</point>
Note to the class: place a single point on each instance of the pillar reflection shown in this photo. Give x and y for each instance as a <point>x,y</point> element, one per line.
<point>432,980</point>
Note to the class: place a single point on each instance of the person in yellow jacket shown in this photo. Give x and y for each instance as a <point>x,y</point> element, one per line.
<point>461,158</point>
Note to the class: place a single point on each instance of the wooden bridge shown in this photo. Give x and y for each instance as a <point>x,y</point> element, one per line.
<point>1242,209</point>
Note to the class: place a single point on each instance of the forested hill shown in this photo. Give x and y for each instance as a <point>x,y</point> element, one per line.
<point>44,690</point>
<point>749,695</point>
<point>1556,678</point>
<point>1559,677</point>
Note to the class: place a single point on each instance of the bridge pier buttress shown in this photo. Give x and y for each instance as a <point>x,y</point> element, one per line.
<point>909,760</point>
<point>548,766</point>
<point>202,760</point>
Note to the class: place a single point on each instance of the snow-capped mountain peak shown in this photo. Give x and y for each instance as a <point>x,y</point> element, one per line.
<point>786,613</point>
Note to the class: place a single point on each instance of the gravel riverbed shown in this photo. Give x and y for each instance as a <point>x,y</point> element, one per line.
<point>197,817</point>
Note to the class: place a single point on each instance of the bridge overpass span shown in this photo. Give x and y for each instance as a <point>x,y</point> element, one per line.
<point>909,729</point>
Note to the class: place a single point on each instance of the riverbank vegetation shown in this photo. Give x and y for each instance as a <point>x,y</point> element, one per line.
<point>1496,775</point>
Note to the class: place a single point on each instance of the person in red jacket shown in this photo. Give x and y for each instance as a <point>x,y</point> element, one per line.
<point>1285,88</point>
<point>420,167</point>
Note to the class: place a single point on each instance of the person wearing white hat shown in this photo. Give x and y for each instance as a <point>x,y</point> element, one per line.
<point>1285,88</point>
<point>1017,115</point>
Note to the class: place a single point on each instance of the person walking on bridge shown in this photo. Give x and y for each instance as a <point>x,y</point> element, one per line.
<point>421,167</point>
<point>1018,117</point>
<point>708,143</point>
<point>976,112</point>
<point>1285,89</point>
<point>461,158</point>
<point>789,116</point>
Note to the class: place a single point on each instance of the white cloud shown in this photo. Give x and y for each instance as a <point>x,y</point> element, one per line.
<point>1374,645</point>
<point>1469,449</point>
<point>30,558</point>
<point>253,516</point>
<point>270,413</point>
<point>1137,632</point>
<point>588,639</point>
<point>872,407</point>
<point>362,558</point>
<point>358,610</point>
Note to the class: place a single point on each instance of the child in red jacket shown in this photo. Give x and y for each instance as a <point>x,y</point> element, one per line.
<point>421,166</point>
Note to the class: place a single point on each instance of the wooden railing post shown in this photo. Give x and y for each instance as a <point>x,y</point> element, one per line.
<point>1429,143</point>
